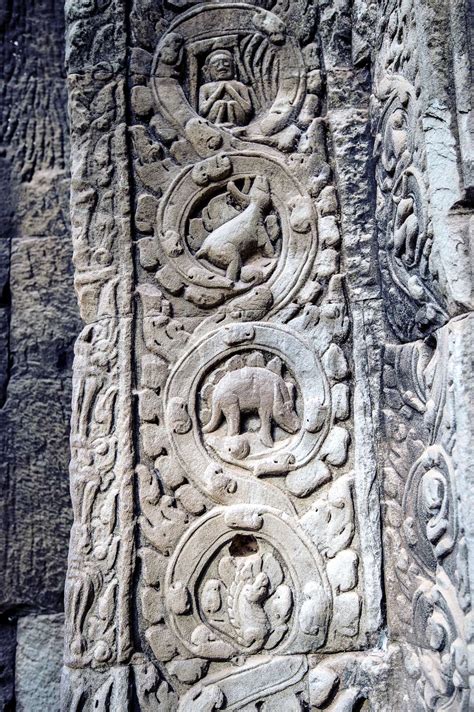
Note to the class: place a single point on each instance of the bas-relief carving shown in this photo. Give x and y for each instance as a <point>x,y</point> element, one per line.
<point>228,65</point>
<point>100,441</point>
<point>235,555</point>
<point>248,538</point>
<point>427,577</point>
<point>426,563</point>
<point>217,238</point>
<point>413,225</point>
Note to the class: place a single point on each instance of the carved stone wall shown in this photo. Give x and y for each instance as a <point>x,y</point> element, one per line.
<point>270,206</point>
<point>39,322</point>
<point>424,208</point>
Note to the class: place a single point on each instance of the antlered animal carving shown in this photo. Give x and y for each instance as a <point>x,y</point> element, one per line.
<point>254,389</point>
<point>228,245</point>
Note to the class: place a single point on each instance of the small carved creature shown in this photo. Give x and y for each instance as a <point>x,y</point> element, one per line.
<point>254,389</point>
<point>259,605</point>
<point>406,232</point>
<point>228,245</point>
<point>249,596</point>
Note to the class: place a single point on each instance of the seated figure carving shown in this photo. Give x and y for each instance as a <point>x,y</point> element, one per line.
<point>224,100</point>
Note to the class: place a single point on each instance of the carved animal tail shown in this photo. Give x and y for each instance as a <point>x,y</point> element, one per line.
<point>215,420</point>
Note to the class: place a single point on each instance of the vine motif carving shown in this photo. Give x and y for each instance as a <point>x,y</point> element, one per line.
<point>404,214</point>
<point>247,330</point>
<point>239,397</point>
<point>430,557</point>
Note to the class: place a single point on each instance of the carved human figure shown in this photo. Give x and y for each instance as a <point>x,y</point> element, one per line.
<point>96,352</point>
<point>224,100</point>
<point>228,245</point>
<point>254,389</point>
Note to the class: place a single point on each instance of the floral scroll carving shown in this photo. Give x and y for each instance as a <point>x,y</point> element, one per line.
<point>221,545</point>
<point>430,571</point>
<point>404,207</point>
<point>244,380</point>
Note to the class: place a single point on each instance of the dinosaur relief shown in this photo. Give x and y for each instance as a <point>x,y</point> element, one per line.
<point>246,387</point>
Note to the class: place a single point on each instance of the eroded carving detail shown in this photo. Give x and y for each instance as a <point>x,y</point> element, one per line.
<point>429,574</point>
<point>239,595</point>
<point>247,534</point>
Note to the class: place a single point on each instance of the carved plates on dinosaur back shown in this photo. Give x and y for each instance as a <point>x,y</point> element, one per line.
<point>250,398</point>
<point>245,579</point>
<point>231,223</point>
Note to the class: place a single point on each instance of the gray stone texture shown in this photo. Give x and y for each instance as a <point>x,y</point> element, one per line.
<point>38,324</point>
<point>199,203</point>
<point>39,653</point>
<point>37,308</point>
<point>7,664</point>
<point>272,478</point>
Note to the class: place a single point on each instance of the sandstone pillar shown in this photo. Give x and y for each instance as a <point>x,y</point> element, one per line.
<point>275,335</point>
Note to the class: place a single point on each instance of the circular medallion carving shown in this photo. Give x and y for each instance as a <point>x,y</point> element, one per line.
<point>232,222</point>
<point>256,400</point>
<point>243,580</point>
<point>225,66</point>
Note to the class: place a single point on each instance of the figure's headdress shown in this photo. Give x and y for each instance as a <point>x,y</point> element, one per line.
<point>216,52</point>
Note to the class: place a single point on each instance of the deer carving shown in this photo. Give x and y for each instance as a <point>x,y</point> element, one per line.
<point>228,245</point>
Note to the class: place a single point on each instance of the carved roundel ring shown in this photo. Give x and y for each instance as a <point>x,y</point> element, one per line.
<point>232,222</point>
<point>246,579</point>
<point>252,397</point>
<point>221,53</point>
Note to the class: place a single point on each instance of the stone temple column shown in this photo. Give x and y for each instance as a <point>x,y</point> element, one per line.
<point>252,241</point>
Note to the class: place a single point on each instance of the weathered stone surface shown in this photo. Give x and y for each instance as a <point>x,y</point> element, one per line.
<point>7,664</point>
<point>38,313</point>
<point>259,223</point>
<point>271,401</point>
<point>208,397</point>
<point>38,662</point>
